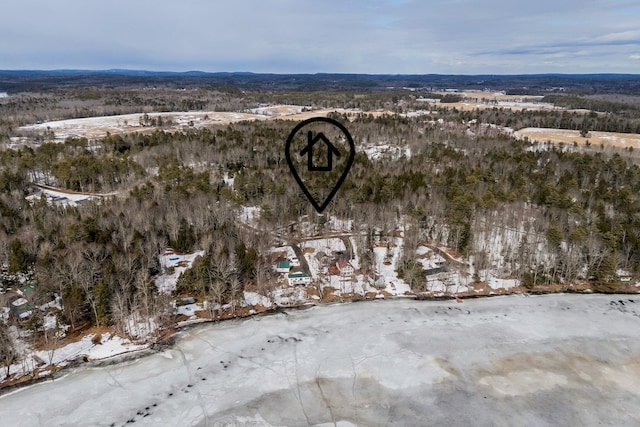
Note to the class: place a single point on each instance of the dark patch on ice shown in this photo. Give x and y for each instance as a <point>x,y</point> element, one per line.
<point>330,400</point>
<point>620,306</point>
<point>451,403</point>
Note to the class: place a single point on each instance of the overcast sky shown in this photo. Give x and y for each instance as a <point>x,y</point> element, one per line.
<point>310,36</point>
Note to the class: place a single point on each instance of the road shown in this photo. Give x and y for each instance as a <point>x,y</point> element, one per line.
<point>304,265</point>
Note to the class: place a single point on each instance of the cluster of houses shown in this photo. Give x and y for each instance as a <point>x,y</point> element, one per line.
<point>336,265</point>
<point>291,269</point>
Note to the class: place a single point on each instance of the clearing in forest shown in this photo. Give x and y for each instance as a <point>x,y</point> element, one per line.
<point>565,136</point>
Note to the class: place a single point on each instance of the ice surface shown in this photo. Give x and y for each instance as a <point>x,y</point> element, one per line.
<point>516,360</point>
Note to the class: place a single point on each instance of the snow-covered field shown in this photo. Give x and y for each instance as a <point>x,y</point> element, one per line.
<point>328,245</point>
<point>97,127</point>
<point>549,360</point>
<point>566,136</point>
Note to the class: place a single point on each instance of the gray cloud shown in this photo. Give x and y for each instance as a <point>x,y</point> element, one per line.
<point>376,36</point>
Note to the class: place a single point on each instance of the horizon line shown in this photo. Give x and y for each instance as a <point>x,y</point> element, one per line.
<point>151,71</point>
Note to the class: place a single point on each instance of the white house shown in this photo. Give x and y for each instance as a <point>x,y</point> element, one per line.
<point>299,278</point>
<point>345,268</point>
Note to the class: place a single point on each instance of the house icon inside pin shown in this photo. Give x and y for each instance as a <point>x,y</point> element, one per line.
<point>308,150</point>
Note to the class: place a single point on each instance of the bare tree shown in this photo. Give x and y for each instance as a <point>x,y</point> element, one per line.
<point>51,338</point>
<point>8,352</point>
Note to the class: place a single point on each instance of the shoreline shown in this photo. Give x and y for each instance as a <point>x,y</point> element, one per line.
<point>170,339</point>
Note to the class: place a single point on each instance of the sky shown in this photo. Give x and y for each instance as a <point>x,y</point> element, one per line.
<point>339,36</point>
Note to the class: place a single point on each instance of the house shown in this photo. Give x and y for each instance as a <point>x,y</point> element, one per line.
<point>345,268</point>
<point>299,278</point>
<point>283,267</point>
<point>435,270</point>
<point>21,309</point>
<point>624,276</point>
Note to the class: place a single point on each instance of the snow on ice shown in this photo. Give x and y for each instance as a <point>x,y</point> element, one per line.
<point>540,360</point>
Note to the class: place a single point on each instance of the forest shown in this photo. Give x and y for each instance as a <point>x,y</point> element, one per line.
<point>563,214</point>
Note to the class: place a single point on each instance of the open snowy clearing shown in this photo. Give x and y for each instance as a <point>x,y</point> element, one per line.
<point>474,99</point>
<point>516,106</point>
<point>173,265</point>
<point>498,96</point>
<point>566,136</point>
<point>552,360</point>
<point>98,127</point>
<point>62,197</point>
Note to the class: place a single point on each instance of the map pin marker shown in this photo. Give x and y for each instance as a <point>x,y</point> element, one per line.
<point>320,152</point>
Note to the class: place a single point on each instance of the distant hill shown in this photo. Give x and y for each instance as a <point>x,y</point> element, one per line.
<point>13,81</point>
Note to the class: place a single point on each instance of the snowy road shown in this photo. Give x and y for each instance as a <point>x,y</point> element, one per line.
<point>552,360</point>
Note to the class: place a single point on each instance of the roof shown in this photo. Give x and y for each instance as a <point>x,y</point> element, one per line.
<point>436,270</point>
<point>283,264</point>
<point>298,275</point>
<point>343,263</point>
<point>22,309</point>
<point>28,290</point>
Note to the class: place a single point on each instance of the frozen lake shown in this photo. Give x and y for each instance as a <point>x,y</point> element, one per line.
<point>526,361</point>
